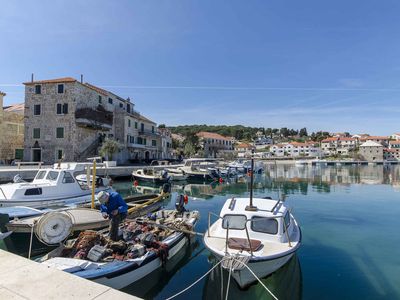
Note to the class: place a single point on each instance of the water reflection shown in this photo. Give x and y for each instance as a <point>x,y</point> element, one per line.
<point>286,283</point>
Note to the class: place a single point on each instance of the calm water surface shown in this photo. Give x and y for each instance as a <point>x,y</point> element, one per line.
<point>350,222</point>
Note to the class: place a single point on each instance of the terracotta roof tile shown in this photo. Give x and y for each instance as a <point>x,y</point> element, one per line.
<point>211,135</point>
<point>96,89</point>
<point>374,138</point>
<point>15,107</point>
<point>57,80</point>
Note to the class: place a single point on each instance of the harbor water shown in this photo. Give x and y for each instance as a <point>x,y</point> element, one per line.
<point>349,217</point>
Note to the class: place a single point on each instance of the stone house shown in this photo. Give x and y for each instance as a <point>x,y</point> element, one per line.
<point>371,151</point>
<point>383,140</point>
<point>68,119</point>
<point>214,143</point>
<point>11,131</point>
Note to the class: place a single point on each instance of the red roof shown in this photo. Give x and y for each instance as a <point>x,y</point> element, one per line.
<point>394,142</point>
<point>211,135</point>
<point>57,80</point>
<point>96,89</point>
<point>244,145</point>
<point>368,138</point>
<point>15,107</point>
<point>390,150</point>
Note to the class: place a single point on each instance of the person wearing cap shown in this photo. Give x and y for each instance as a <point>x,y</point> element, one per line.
<point>114,208</point>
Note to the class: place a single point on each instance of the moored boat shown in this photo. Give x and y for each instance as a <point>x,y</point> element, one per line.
<point>258,234</point>
<point>151,175</point>
<point>56,186</point>
<point>146,244</point>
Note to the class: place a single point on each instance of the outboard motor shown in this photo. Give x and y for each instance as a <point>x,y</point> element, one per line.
<point>18,179</point>
<point>180,203</point>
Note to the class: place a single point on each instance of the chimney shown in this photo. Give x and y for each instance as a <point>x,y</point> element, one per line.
<point>32,77</point>
<point>81,78</point>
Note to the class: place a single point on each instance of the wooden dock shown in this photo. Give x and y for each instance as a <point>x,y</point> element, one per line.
<point>21,278</point>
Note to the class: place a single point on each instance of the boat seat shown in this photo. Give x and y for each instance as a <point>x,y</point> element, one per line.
<point>243,244</point>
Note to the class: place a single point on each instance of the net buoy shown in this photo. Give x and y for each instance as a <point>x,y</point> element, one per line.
<point>53,228</point>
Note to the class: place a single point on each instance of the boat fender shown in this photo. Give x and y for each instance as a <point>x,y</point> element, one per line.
<point>185,199</point>
<point>53,228</point>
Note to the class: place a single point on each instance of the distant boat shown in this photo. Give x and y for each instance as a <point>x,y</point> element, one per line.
<point>151,175</point>
<point>301,162</point>
<point>200,169</point>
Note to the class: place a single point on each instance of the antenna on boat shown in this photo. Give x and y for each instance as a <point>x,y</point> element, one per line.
<point>251,207</point>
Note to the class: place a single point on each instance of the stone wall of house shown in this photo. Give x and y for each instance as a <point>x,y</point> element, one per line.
<point>93,114</point>
<point>11,132</point>
<point>371,154</point>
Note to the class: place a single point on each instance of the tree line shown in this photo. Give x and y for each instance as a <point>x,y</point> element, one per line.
<point>246,133</point>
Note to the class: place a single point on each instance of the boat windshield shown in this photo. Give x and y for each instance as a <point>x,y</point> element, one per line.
<point>264,225</point>
<point>40,175</point>
<point>52,175</point>
<point>234,222</point>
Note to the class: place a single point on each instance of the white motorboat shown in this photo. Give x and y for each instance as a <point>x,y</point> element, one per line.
<point>147,244</point>
<point>151,175</point>
<point>200,169</point>
<point>264,238</point>
<point>260,234</point>
<point>244,166</point>
<point>176,175</point>
<point>56,186</point>
<point>301,162</point>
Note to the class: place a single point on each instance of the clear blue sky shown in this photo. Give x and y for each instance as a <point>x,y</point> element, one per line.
<point>331,65</point>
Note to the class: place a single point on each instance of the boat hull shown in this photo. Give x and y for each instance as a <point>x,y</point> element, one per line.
<point>43,203</point>
<point>124,279</point>
<point>151,179</point>
<point>261,268</point>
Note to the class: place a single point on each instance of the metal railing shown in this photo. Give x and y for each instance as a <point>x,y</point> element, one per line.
<point>247,231</point>
<point>3,194</point>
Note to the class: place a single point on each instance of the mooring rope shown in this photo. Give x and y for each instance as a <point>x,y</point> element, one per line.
<point>229,279</point>
<point>194,283</point>
<point>30,241</point>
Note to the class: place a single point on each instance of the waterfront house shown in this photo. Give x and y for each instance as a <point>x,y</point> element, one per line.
<point>395,136</point>
<point>295,149</point>
<point>11,131</point>
<point>244,149</point>
<point>338,145</point>
<point>66,118</point>
<point>371,151</point>
<point>383,140</point>
<point>214,143</point>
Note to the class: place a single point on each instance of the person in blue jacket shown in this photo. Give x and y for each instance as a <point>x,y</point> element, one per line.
<point>114,208</point>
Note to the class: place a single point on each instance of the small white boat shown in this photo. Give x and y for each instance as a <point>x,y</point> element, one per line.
<point>176,175</point>
<point>146,245</point>
<point>151,175</point>
<point>244,166</point>
<point>200,169</point>
<point>263,238</point>
<point>56,186</point>
<point>301,162</point>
